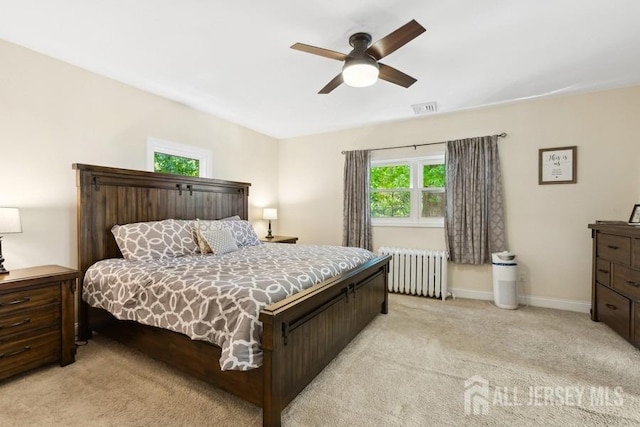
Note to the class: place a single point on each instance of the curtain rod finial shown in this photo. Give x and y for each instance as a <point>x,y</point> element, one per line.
<point>502,135</point>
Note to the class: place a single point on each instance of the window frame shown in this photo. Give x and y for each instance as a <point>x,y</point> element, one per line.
<point>416,188</point>
<point>204,156</point>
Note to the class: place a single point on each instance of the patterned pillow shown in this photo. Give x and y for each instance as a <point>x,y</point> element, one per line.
<point>188,233</point>
<point>144,241</point>
<point>220,241</point>
<point>242,232</point>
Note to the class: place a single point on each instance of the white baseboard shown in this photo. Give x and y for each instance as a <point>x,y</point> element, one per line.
<point>557,303</point>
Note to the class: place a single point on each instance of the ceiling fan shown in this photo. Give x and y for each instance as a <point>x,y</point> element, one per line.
<point>361,67</point>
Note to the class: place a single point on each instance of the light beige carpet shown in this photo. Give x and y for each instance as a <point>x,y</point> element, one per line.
<point>407,368</point>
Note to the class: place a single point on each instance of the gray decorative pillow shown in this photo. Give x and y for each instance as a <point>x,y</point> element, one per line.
<point>242,231</point>
<point>188,234</point>
<point>220,241</point>
<point>144,241</point>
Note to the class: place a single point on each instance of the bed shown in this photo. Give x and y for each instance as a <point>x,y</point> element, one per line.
<point>301,334</point>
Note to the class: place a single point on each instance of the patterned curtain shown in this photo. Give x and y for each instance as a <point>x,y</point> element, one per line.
<point>357,212</point>
<point>474,216</point>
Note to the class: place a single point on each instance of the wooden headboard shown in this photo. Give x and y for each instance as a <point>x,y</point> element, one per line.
<point>109,196</point>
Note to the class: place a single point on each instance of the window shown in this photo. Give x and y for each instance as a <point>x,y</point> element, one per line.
<point>408,192</point>
<point>178,165</point>
<point>178,159</point>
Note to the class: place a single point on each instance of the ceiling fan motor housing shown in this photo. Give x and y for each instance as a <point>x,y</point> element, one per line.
<point>360,69</point>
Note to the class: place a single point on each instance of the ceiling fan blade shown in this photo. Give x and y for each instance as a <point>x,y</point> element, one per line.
<point>337,81</point>
<point>395,40</point>
<point>392,75</point>
<point>332,54</point>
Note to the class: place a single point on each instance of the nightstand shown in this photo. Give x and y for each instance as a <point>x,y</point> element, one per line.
<point>36,318</point>
<point>280,239</point>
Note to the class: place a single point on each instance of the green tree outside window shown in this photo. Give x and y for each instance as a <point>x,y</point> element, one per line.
<point>433,196</point>
<point>390,191</point>
<point>176,165</point>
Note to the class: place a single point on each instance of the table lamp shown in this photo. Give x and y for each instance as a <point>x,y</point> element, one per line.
<point>270,213</point>
<point>9,223</point>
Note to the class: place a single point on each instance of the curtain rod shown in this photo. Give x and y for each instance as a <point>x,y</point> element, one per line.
<point>500,135</point>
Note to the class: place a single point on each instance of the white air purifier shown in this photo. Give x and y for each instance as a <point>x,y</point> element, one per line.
<point>505,277</point>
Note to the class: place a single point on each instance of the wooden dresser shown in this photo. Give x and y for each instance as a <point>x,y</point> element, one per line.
<point>616,278</point>
<point>36,318</point>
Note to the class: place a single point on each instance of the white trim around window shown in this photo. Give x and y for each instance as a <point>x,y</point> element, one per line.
<point>415,220</point>
<point>205,157</point>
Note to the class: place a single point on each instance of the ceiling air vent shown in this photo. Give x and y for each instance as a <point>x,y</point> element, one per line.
<point>425,108</point>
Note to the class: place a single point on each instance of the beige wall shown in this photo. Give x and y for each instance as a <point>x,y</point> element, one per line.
<point>53,114</point>
<point>546,225</point>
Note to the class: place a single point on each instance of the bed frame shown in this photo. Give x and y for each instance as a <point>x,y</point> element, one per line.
<point>301,334</point>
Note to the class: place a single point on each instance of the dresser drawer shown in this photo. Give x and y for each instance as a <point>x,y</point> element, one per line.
<point>635,253</point>
<point>29,352</point>
<point>614,310</point>
<point>28,320</point>
<point>22,300</point>
<point>603,272</point>
<point>627,281</point>
<point>636,322</point>
<point>614,248</point>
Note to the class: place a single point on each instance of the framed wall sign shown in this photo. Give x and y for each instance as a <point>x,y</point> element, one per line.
<point>557,165</point>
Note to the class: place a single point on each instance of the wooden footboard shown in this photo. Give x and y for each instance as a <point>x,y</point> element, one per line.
<point>303,333</point>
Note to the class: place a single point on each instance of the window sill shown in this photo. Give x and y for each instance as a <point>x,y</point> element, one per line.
<point>409,224</point>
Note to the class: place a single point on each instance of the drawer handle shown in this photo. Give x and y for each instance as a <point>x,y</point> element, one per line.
<point>611,306</point>
<point>15,353</point>
<point>18,301</point>
<point>603,271</point>
<point>20,323</point>
<point>632,283</point>
<point>615,248</point>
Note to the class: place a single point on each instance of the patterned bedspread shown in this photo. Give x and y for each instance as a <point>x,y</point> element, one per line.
<point>215,298</point>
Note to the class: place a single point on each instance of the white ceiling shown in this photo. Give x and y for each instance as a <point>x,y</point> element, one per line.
<point>232,59</point>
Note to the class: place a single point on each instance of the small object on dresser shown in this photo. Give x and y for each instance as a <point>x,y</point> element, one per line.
<point>269,213</point>
<point>634,219</point>
<point>9,224</point>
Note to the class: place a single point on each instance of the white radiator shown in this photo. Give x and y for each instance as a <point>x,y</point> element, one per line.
<point>417,272</point>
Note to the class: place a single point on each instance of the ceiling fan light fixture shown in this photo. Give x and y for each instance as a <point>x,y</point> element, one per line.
<point>360,72</point>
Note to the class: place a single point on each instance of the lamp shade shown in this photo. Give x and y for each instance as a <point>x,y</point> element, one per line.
<point>360,72</point>
<point>10,221</point>
<point>270,213</point>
